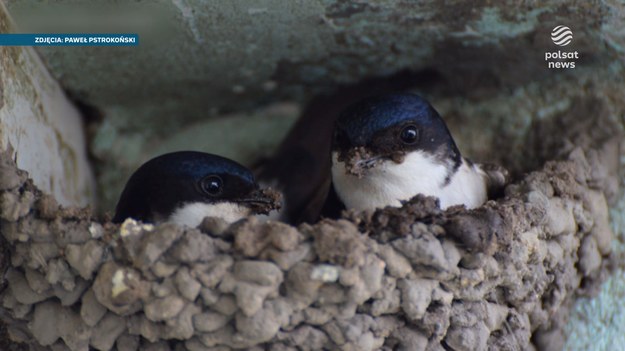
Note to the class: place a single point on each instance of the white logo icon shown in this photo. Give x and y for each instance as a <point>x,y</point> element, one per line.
<point>561,35</point>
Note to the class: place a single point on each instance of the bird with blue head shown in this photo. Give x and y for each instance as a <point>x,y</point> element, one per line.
<point>386,149</point>
<point>184,187</point>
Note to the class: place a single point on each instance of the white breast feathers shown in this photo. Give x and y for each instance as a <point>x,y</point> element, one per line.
<point>389,183</point>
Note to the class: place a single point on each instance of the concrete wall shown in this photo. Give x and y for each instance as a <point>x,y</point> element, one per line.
<point>42,126</point>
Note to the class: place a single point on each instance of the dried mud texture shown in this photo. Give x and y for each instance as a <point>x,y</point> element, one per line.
<point>270,200</point>
<point>358,159</point>
<point>500,277</point>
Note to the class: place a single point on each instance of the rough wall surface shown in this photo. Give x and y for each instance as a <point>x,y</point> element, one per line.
<point>501,277</point>
<point>42,126</point>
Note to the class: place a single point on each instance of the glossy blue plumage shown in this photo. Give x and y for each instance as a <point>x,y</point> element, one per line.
<point>361,121</point>
<point>196,165</point>
<point>166,182</point>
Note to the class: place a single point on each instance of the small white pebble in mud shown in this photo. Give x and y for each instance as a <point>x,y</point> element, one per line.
<point>132,227</point>
<point>96,230</point>
<point>325,272</point>
<point>119,286</point>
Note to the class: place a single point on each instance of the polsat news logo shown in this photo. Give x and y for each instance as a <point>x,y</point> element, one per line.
<point>561,36</point>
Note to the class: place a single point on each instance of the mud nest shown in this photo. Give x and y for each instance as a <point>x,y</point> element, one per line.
<point>500,277</point>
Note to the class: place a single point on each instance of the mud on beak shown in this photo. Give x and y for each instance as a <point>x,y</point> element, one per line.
<point>368,162</point>
<point>358,160</point>
<point>262,201</point>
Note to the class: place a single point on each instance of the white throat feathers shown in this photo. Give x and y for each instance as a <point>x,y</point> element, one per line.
<point>388,183</point>
<point>192,214</point>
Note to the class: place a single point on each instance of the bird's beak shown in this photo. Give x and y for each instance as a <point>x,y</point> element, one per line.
<point>368,162</point>
<point>263,201</point>
<point>358,160</point>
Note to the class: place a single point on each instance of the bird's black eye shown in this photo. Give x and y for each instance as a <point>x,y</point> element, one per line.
<point>409,135</point>
<point>212,185</point>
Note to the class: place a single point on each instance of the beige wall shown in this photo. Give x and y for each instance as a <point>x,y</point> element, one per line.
<point>43,127</point>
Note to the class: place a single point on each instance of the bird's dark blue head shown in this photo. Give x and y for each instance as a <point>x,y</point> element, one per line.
<point>392,125</point>
<point>166,182</point>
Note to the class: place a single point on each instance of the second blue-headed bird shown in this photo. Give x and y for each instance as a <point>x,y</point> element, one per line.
<point>184,187</point>
<point>389,148</point>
